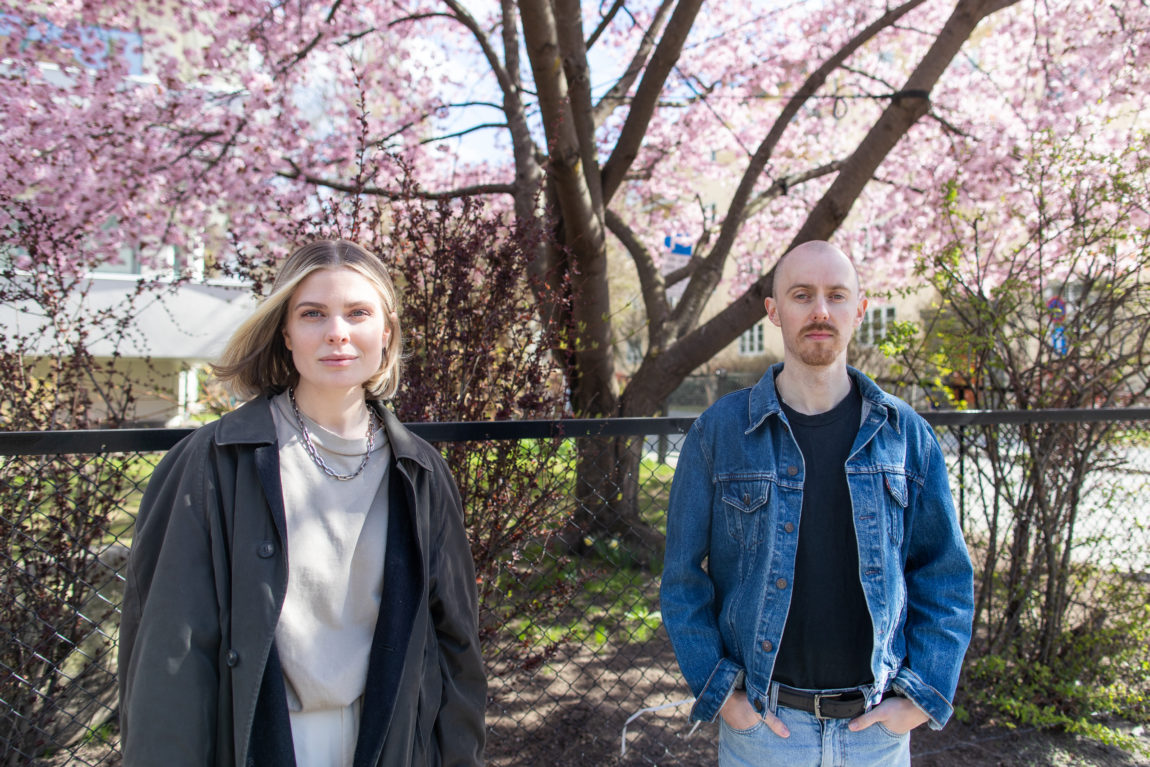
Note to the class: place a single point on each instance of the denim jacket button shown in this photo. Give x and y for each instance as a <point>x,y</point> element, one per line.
<point>789,527</point>
<point>758,705</point>
<point>792,470</point>
<point>767,646</point>
<point>746,499</point>
<point>781,583</point>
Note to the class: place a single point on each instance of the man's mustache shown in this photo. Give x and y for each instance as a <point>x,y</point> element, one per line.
<point>816,327</point>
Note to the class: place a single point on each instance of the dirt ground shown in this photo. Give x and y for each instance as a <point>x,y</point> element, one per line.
<point>574,712</point>
<point>957,746</point>
<point>965,745</point>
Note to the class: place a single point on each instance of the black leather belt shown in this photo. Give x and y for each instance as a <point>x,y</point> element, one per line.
<point>840,705</point>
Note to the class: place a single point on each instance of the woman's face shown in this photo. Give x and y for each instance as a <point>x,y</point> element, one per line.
<point>336,330</point>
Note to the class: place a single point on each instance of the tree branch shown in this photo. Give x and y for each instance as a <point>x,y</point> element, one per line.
<point>651,281</point>
<point>297,174</point>
<point>694,348</point>
<point>781,186</point>
<point>618,93</point>
<point>634,129</point>
<point>303,53</point>
<point>604,23</point>
<point>464,132</point>
<point>705,279</point>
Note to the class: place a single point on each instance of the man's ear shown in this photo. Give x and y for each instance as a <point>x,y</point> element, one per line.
<point>861,311</point>
<point>772,310</point>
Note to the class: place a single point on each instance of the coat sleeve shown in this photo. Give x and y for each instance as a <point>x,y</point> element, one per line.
<point>460,729</point>
<point>939,591</point>
<point>169,642</point>
<point>688,599</point>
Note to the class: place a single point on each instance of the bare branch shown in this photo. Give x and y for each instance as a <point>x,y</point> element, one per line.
<point>604,23</point>
<point>617,95</point>
<point>666,53</point>
<point>298,174</point>
<point>651,281</point>
<point>506,84</point>
<point>464,132</point>
<point>781,186</point>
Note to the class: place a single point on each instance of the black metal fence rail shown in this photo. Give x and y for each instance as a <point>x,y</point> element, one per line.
<point>573,636</point>
<point>151,440</point>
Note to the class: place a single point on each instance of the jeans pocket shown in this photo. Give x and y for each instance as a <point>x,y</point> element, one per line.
<point>754,728</point>
<point>891,733</point>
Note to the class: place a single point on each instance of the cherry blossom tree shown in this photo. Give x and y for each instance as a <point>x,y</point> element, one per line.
<point>749,128</point>
<point>744,127</point>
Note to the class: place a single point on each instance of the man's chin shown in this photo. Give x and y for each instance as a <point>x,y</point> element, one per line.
<point>819,358</point>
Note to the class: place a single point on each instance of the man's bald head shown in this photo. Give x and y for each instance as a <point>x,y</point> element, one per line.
<point>795,256</point>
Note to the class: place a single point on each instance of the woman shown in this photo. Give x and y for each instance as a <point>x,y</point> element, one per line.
<point>300,587</point>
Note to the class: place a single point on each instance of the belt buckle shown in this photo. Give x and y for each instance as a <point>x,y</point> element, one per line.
<point>818,712</point>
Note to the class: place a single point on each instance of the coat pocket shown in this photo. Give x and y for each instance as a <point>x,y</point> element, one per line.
<point>896,494</point>
<point>745,502</point>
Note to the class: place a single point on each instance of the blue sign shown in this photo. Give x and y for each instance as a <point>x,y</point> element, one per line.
<point>678,245</point>
<point>1058,341</point>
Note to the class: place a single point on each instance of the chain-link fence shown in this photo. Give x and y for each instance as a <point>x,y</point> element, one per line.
<point>579,663</point>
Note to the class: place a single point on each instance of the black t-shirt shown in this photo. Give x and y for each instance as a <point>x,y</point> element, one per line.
<point>828,638</point>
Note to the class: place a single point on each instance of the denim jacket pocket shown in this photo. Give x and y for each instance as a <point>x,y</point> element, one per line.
<point>895,483</point>
<point>745,500</point>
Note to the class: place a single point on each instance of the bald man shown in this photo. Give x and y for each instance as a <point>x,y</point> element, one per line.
<point>816,588</point>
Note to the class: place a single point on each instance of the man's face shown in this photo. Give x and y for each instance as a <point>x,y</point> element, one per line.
<point>817,304</point>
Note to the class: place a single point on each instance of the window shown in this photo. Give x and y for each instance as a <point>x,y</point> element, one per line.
<point>752,342</point>
<point>876,322</point>
<point>633,351</point>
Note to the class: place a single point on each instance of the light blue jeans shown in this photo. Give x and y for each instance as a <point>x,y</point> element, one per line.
<point>813,743</point>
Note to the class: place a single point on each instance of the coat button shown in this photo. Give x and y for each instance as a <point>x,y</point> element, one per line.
<point>267,549</point>
<point>789,527</point>
<point>781,583</point>
<point>792,470</point>
<point>232,658</point>
<point>767,646</point>
<point>746,499</point>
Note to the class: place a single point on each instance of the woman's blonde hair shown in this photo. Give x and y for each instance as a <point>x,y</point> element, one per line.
<point>257,361</point>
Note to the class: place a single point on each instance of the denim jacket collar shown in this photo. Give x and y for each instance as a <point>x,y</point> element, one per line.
<point>764,400</point>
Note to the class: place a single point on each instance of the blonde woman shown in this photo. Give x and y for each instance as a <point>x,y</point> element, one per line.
<point>300,588</point>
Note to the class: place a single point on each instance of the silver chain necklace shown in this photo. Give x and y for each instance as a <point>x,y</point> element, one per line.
<point>309,446</point>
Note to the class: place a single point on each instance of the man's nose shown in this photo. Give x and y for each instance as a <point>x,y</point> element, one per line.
<point>820,308</point>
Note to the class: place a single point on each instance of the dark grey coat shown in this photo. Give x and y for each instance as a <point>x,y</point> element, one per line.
<point>200,682</point>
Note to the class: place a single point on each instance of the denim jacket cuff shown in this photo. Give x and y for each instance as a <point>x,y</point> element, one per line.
<point>930,700</point>
<point>716,691</point>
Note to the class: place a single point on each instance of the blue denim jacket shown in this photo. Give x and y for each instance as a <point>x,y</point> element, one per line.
<point>732,532</point>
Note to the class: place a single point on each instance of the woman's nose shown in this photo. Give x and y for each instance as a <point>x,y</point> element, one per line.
<point>337,331</point>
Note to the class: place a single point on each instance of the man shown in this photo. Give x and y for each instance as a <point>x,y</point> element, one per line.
<point>816,588</point>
